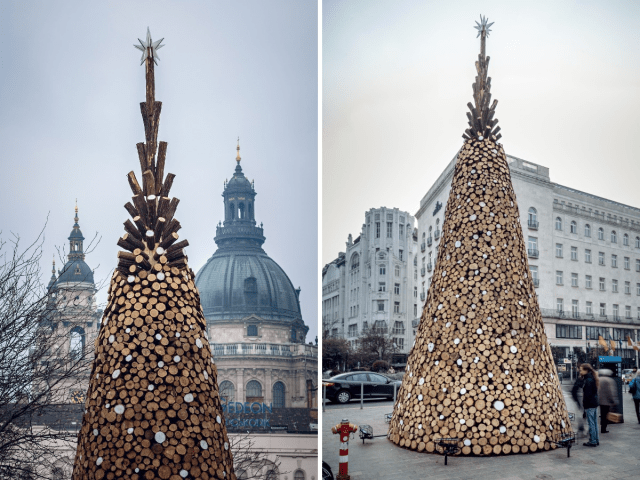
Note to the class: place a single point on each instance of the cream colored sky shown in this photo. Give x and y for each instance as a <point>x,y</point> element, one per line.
<point>397,77</point>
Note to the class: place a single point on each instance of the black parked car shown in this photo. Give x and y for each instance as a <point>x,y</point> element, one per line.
<point>346,386</point>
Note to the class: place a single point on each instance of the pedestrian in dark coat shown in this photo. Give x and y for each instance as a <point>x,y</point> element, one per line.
<point>590,402</point>
<point>608,397</point>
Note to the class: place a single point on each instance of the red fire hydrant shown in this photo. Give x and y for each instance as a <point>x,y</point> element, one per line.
<point>344,429</point>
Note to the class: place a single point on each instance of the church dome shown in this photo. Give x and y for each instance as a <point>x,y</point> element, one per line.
<point>75,270</point>
<point>236,284</point>
<point>240,279</point>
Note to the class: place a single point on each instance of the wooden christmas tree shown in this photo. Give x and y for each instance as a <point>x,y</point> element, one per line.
<point>153,409</point>
<point>481,369</point>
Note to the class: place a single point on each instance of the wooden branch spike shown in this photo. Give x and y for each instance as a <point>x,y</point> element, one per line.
<point>172,227</point>
<point>166,187</point>
<point>133,240</point>
<point>141,206</point>
<point>181,262</point>
<point>141,227</point>
<point>131,209</point>
<point>124,270</point>
<point>141,252</point>
<point>159,173</point>
<point>169,239</point>
<point>177,246</point>
<point>173,205</point>
<point>145,120</point>
<point>470,118</point>
<point>140,260</point>
<point>127,256</point>
<point>148,182</point>
<point>159,229</point>
<point>163,206</point>
<point>132,230</point>
<point>151,207</point>
<point>127,246</point>
<point>176,254</point>
<point>133,183</point>
<point>124,264</point>
<point>125,243</point>
<point>142,156</point>
<point>150,239</point>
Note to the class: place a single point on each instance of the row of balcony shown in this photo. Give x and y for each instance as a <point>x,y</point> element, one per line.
<point>590,317</point>
<point>279,350</point>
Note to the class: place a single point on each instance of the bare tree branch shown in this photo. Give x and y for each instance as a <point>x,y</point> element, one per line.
<point>38,365</point>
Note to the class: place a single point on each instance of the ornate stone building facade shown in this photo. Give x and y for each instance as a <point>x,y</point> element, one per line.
<point>584,254</point>
<point>373,284</point>
<point>256,331</point>
<point>73,312</point>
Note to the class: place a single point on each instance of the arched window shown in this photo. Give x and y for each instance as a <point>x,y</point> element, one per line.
<point>241,211</point>
<point>423,236</point>
<point>232,211</point>
<point>601,233</point>
<point>254,391</point>
<point>278,395</point>
<point>625,240</point>
<point>299,475</point>
<point>271,475</point>
<point>637,242</point>
<point>614,236</point>
<point>76,343</point>
<point>227,392</point>
<point>241,474</point>
<point>533,216</point>
<point>355,261</point>
<point>437,222</point>
<point>251,291</point>
<point>574,227</point>
<point>250,211</point>
<point>430,228</point>
<point>558,223</point>
<point>587,230</point>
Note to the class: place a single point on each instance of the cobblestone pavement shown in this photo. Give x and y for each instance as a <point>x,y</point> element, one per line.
<point>618,455</point>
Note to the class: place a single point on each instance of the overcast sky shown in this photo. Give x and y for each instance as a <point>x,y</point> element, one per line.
<point>70,88</point>
<point>397,78</point>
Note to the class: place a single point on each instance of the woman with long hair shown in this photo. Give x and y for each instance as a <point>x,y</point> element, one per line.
<point>590,386</point>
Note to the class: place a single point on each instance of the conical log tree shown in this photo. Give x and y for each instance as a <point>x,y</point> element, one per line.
<point>153,409</point>
<point>481,368</point>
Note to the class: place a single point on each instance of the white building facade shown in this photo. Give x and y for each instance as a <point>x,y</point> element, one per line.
<point>373,283</point>
<point>584,257</point>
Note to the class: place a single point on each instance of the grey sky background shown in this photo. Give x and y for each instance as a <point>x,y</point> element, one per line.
<point>70,88</point>
<point>397,77</point>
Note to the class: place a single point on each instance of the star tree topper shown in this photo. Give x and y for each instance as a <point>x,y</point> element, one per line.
<point>483,26</point>
<point>149,48</point>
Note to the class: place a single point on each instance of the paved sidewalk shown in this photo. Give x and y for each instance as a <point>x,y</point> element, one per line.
<point>618,455</point>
